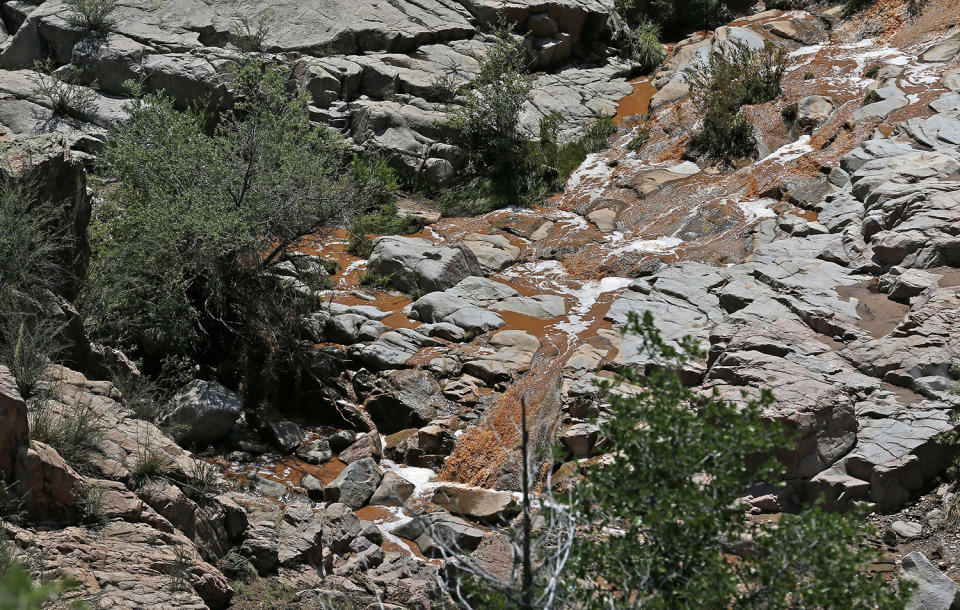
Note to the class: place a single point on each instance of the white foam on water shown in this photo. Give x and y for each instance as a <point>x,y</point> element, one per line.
<point>586,297</point>
<point>660,245</point>
<point>591,177</point>
<point>791,151</point>
<point>569,219</point>
<point>757,209</point>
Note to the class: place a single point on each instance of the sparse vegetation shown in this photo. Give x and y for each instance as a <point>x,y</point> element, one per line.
<point>375,280</point>
<point>202,482</point>
<point>637,141</point>
<point>75,431</point>
<point>808,76</point>
<point>851,7</point>
<point>728,82</point>
<point>59,91</point>
<point>873,71</point>
<point>93,17</point>
<point>249,33</point>
<point>789,112</point>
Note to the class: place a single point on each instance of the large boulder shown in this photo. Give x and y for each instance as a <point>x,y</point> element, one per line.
<point>355,484</point>
<point>203,412</point>
<point>416,265</point>
<point>406,399</point>
<point>934,589</point>
<point>13,423</point>
<point>50,488</point>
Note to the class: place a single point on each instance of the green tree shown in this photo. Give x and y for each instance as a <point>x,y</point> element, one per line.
<point>186,236</point>
<point>662,526</point>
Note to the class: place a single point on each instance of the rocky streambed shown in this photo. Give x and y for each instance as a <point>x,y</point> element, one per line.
<point>826,271</point>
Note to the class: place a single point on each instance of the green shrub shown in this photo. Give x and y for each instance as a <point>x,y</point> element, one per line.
<point>789,112</point>
<point>93,17</point>
<point>641,43</point>
<point>871,98</point>
<point>808,76</point>
<point>488,122</point>
<point>660,520</point>
<point>375,280</point>
<point>675,16</point>
<point>28,344</point>
<point>873,71</point>
<point>376,181</point>
<point>727,82</point>
<point>637,141</point>
<point>183,245</point>
<point>249,33</point>
<point>384,222</point>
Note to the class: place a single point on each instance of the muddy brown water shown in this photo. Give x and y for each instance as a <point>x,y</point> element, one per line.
<point>878,314</point>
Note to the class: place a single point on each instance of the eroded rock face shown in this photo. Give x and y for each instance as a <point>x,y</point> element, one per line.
<point>50,488</point>
<point>13,423</point>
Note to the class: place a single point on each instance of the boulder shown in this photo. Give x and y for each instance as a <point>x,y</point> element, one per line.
<point>13,423</point>
<point>480,504</point>
<point>406,399</point>
<point>50,488</point>
<point>316,452</point>
<point>314,487</point>
<point>416,265</point>
<point>355,484</point>
<point>394,490</point>
<point>367,446</point>
<point>440,534</point>
<point>813,110</point>
<point>203,412</point>
<point>934,589</point>
<point>942,51</point>
<point>284,434</point>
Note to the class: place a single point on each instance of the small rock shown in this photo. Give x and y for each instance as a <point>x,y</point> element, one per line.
<point>341,440</point>
<point>907,529</point>
<point>268,487</point>
<point>313,486</point>
<point>284,434</point>
<point>316,452</point>
<point>394,490</point>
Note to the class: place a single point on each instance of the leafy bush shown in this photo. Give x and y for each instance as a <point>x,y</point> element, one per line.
<point>871,98</point>
<point>182,246</point>
<point>58,90</point>
<point>385,222</point>
<point>249,33</point>
<point>727,82</point>
<point>488,122</point>
<point>28,343</point>
<point>660,520</point>
<point>503,165</point>
<point>641,43</point>
<point>93,17</point>
<point>873,71</point>
<point>676,16</point>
